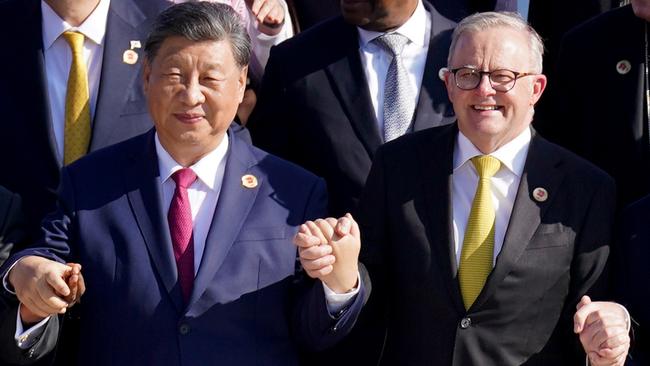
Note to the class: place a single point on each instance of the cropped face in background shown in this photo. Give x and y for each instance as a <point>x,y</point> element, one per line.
<point>489,117</point>
<point>377,15</point>
<point>641,9</point>
<point>193,90</point>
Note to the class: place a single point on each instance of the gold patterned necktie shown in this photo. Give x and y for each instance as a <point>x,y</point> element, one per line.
<point>77,103</point>
<point>478,244</point>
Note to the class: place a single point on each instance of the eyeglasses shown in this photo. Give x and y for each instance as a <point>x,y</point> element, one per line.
<point>502,80</point>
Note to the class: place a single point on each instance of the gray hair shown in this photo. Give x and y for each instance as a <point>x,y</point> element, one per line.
<point>200,21</point>
<point>483,21</point>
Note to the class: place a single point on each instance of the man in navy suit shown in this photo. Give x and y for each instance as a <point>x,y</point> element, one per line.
<point>184,232</point>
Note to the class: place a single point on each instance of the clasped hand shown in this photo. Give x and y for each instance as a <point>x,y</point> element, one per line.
<point>329,251</point>
<point>45,287</point>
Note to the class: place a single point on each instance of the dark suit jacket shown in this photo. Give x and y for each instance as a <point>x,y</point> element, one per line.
<point>553,253</point>
<point>28,150</point>
<point>11,222</point>
<point>249,306</point>
<point>607,127</point>
<point>307,13</point>
<point>314,106</point>
<point>633,278</point>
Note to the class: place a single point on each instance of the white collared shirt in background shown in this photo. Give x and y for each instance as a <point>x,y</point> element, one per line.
<point>504,186</point>
<point>58,58</point>
<point>375,60</point>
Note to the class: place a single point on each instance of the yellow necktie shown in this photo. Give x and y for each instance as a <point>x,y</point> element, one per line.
<point>77,103</point>
<point>478,245</point>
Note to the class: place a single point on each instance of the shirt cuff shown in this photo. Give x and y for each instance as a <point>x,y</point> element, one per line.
<point>628,321</point>
<point>337,302</point>
<point>5,280</point>
<point>26,338</point>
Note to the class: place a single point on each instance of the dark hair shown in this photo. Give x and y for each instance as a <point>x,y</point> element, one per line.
<point>200,21</point>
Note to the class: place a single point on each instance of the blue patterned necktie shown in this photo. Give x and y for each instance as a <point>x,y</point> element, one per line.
<point>399,101</point>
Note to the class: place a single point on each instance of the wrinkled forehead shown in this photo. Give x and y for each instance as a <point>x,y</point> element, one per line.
<point>493,48</point>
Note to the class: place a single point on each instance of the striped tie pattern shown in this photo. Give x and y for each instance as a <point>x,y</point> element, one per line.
<point>478,244</point>
<point>77,103</point>
<point>399,101</point>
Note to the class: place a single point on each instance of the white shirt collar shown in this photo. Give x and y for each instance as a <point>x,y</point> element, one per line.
<point>93,28</point>
<point>205,169</point>
<point>511,155</point>
<point>414,29</point>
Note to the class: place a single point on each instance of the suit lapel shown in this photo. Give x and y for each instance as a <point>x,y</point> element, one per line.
<point>119,85</point>
<point>541,170</point>
<point>33,80</point>
<point>234,204</point>
<point>433,107</point>
<point>349,80</point>
<point>436,171</point>
<point>144,193</point>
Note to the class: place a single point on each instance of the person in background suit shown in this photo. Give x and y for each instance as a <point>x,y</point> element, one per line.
<point>188,226</point>
<point>307,13</point>
<point>610,130</point>
<point>326,109</point>
<point>633,278</point>
<point>11,218</point>
<point>481,237</point>
<point>34,95</point>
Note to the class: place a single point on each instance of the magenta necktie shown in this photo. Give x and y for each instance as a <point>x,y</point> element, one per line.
<point>180,227</point>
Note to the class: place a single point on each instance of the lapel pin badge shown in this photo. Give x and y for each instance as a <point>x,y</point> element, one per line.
<point>623,67</point>
<point>540,194</point>
<point>249,181</point>
<point>135,44</point>
<point>130,57</point>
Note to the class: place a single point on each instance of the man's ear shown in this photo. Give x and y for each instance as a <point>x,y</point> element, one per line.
<point>146,73</point>
<point>241,82</point>
<point>539,84</point>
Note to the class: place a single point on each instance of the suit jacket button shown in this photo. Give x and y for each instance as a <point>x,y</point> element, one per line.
<point>184,329</point>
<point>465,323</point>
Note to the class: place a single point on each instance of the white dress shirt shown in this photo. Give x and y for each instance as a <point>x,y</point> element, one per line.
<point>203,194</point>
<point>504,186</point>
<point>58,58</point>
<point>375,60</point>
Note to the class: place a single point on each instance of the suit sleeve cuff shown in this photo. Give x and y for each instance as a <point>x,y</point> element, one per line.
<point>26,338</point>
<point>338,302</point>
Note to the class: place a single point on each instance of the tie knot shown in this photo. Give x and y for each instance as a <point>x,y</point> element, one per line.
<point>392,42</point>
<point>75,40</point>
<point>486,165</point>
<point>184,177</point>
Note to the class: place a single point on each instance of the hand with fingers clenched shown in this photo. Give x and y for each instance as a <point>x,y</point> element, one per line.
<point>603,328</point>
<point>269,14</point>
<point>329,250</point>
<point>45,287</point>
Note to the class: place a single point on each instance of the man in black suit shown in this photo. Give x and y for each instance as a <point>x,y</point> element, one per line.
<point>481,237</point>
<point>633,279</point>
<point>321,103</point>
<point>33,94</point>
<point>11,218</point>
<point>610,127</point>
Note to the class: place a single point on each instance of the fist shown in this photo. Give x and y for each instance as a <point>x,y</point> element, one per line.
<point>329,250</point>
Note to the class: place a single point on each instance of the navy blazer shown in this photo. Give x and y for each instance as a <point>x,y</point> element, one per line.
<point>28,156</point>
<point>250,304</point>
